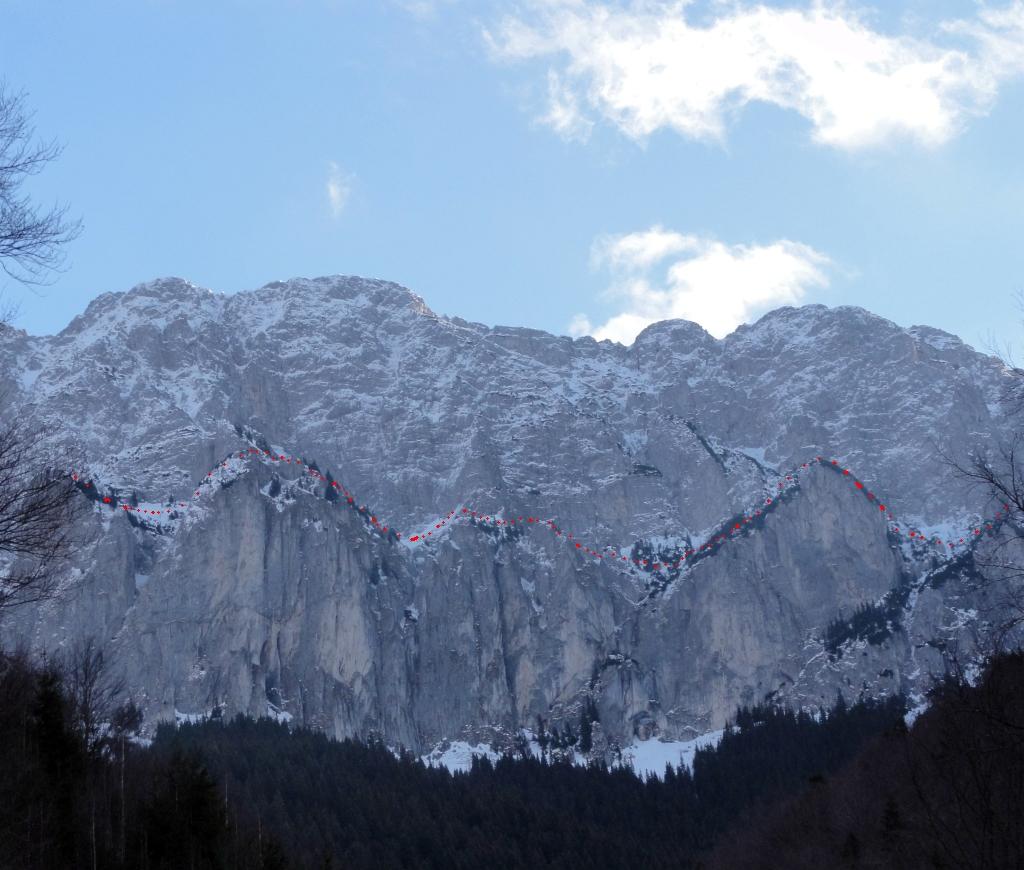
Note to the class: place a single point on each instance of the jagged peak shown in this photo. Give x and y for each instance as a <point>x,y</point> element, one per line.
<point>816,313</point>
<point>793,326</point>
<point>170,287</point>
<point>676,331</point>
<point>348,288</point>
<point>170,292</point>
<point>817,318</point>
<point>936,338</point>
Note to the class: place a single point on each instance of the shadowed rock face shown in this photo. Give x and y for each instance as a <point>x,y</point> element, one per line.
<point>291,603</point>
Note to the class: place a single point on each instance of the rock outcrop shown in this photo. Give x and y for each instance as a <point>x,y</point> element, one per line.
<point>269,597</point>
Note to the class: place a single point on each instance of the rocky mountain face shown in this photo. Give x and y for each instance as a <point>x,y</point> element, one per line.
<point>268,595</point>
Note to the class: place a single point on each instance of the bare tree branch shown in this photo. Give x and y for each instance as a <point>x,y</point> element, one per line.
<point>31,240</point>
<point>9,310</point>
<point>37,510</point>
<point>94,693</point>
<point>999,473</point>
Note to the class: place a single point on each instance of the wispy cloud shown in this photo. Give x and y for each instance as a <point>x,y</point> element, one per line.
<point>339,188</point>
<point>424,10</point>
<point>716,285</point>
<point>643,66</point>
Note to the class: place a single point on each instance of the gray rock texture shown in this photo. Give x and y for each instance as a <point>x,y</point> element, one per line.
<point>261,601</point>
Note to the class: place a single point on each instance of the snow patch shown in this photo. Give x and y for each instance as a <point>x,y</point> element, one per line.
<point>757,454</point>
<point>457,756</point>
<point>277,714</point>
<point>649,757</point>
<point>911,715</point>
<point>635,441</point>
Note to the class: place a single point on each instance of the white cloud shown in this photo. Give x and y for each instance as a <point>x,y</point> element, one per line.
<point>339,188</point>
<point>716,285</point>
<point>564,113</point>
<point>643,66</point>
<point>418,8</point>
<point>424,10</point>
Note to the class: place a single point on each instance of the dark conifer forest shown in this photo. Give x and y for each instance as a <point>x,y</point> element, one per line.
<point>851,788</point>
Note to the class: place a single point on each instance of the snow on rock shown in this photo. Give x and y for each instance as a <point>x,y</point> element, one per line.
<point>649,757</point>
<point>457,755</point>
<point>270,585</point>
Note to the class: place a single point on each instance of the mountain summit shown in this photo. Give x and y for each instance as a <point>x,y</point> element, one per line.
<point>269,596</point>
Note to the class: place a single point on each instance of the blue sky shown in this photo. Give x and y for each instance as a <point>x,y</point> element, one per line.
<point>565,165</point>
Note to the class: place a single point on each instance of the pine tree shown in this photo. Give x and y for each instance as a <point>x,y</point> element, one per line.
<point>62,758</point>
<point>542,738</point>
<point>588,716</point>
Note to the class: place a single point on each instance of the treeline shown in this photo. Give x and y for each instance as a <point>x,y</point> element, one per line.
<point>77,790</point>
<point>848,788</point>
<point>366,808</point>
<point>949,792</point>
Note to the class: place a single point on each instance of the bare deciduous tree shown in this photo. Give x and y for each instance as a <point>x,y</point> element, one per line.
<point>31,239</point>
<point>95,694</point>
<point>999,472</point>
<point>36,495</point>
<point>37,510</point>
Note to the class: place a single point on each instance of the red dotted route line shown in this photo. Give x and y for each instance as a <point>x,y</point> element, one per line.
<point>607,554</point>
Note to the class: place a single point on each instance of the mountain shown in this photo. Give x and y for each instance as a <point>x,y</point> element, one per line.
<point>267,593</point>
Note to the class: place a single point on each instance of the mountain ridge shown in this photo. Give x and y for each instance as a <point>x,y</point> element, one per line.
<point>639,448</point>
